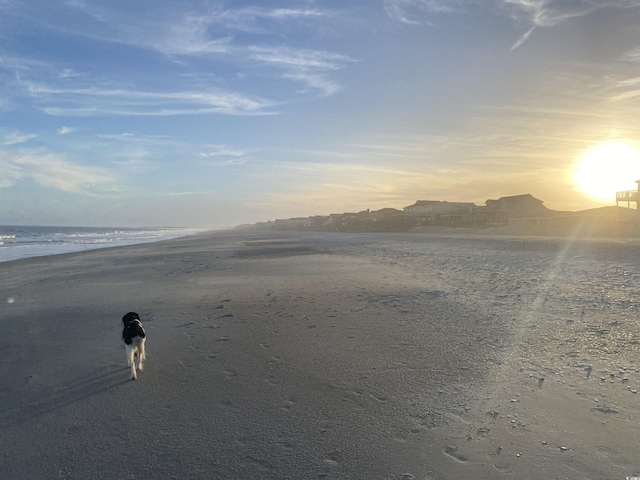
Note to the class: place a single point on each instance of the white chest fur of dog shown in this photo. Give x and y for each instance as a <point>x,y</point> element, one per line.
<point>134,337</point>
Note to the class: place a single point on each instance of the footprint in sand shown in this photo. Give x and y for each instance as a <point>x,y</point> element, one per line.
<point>606,410</point>
<point>260,462</point>
<point>333,458</point>
<point>503,468</point>
<point>230,373</point>
<point>452,451</point>
<point>188,324</point>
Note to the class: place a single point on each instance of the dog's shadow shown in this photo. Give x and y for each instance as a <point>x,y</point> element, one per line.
<point>44,400</point>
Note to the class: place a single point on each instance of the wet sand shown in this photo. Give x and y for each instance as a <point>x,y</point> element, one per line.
<point>325,356</point>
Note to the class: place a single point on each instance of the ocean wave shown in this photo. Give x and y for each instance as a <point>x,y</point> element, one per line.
<point>22,242</point>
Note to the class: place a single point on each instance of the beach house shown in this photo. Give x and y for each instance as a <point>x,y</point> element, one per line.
<point>426,212</point>
<point>629,196</point>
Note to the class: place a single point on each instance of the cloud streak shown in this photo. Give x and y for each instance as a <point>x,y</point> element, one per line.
<point>95,101</point>
<point>54,171</point>
<point>13,138</point>
<point>306,66</point>
<point>411,12</point>
<point>223,155</point>
<point>523,39</point>
<point>211,33</point>
<point>533,13</point>
<point>548,13</point>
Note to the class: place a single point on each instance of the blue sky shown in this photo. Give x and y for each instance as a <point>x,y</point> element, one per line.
<point>207,113</point>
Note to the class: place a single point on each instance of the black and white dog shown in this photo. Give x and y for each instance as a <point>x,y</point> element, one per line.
<point>134,338</point>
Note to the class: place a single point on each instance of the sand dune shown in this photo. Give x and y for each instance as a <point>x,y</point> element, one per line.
<point>325,356</point>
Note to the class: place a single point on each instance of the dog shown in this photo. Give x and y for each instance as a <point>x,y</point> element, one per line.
<point>134,337</point>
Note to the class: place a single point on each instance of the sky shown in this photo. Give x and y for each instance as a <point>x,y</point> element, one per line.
<point>211,113</point>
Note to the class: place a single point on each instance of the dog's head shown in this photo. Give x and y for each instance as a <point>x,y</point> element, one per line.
<point>130,317</point>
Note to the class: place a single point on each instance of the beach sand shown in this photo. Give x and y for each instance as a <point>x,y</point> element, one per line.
<point>277,355</point>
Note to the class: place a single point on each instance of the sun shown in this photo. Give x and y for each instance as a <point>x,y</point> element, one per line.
<point>608,168</point>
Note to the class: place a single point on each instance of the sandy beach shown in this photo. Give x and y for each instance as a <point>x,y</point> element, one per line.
<point>308,355</point>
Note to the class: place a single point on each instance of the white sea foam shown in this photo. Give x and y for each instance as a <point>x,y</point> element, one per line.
<point>18,242</point>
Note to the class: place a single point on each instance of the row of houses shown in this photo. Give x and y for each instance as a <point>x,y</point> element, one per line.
<point>495,212</point>
<point>515,209</point>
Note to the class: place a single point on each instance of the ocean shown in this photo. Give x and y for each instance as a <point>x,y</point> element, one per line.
<point>18,242</point>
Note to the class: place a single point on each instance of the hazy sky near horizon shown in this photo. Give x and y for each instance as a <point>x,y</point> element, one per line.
<point>208,113</point>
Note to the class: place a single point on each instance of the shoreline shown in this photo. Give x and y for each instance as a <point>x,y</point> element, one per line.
<point>617,233</point>
<point>317,355</point>
<point>46,248</point>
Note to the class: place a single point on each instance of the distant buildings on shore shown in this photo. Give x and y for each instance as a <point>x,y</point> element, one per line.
<point>516,209</point>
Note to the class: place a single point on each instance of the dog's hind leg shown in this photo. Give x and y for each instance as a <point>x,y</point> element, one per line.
<point>129,350</point>
<point>133,371</point>
<point>131,361</point>
<point>141,355</point>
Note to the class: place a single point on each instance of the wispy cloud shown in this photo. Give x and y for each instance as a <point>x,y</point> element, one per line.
<point>306,66</point>
<point>66,130</point>
<point>256,19</point>
<point>223,155</point>
<point>189,36</point>
<point>631,56</point>
<point>315,81</point>
<point>533,13</point>
<point>54,171</point>
<point>10,173</point>
<point>629,95</point>
<point>194,31</point>
<point>100,101</point>
<point>298,58</point>
<point>142,154</point>
<point>223,151</point>
<point>546,13</point>
<point>523,38</point>
<point>549,13</point>
<point>12,138</point>
<point>206,34</point>
<point>412,12</point>
<point>69,73</point>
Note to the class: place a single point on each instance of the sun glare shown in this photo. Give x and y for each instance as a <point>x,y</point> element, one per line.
<point>608,168</point>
